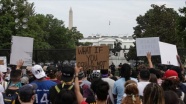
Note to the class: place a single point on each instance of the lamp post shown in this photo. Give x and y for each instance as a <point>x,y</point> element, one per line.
<point>20,19</point>
<point>17,9</point>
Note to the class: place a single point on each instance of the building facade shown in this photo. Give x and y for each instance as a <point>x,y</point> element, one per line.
<point>126,42</point>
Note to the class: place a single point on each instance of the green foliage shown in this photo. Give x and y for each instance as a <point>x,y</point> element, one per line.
<point>86,44</point>
<point>182,25</point>
<point>48,32</point>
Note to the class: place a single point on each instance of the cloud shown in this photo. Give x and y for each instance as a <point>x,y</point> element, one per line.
<point>93,16</point>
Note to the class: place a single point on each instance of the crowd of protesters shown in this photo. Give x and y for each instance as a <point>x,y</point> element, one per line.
<point>71,85</point>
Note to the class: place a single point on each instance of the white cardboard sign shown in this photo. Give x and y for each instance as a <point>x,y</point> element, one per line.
<point>3,64</point>
<point>168,54</point>
<point>22,48</point>
<point>144,45</point>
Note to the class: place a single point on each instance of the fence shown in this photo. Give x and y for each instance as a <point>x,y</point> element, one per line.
<point>55,55</point>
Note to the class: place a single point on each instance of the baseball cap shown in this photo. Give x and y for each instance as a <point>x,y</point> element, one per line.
<point>38,72</point>
<point>104,73</point>
<point>27,90</point>
<point>95,74</point>
<point>170,74</point>
<point>67,73</point>
<point>51,70</point>
<point>81,75</point>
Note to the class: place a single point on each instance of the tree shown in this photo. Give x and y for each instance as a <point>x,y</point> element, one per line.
<point>48,32</point>
<point>86,44</point>
<point>10,10</point>
<point>182,25</point>
<point>159,22</point>
<point>76,35</point>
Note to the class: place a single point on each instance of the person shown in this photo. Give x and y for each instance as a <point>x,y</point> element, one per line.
<point>153,70</point>
<point>51,73</point>
<point>105,77</point>
<point>24,80</point>
<point>132,93</point>
<point>67,78</point>
<point>85,85</point>
<point>42,92</point>
<point>99,87</point>
<point>171,97</point>
<point>1,95</point>
<point>2,81</point>
<point>26,94</point>
<point>153,94</point>
<point>113,69</point>
<point>7,75</point>
<point>10,95</point>
<point>144,77</point>
<point>171,82</point>
<point>89,92</point>
<point>118,89</point>
<point>83,79</point>
<point>157,74</point>
<point>153,78</point>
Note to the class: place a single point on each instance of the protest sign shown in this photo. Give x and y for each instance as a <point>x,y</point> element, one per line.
<point>144,45</point>
<point>3,64</point>
<point>92,57</point>
<point>22,48</point>
<point>168,54</point>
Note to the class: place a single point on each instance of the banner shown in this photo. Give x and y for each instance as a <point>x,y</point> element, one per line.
<point>168,54</point>
<point>144,45</point>
<point>3,64</point>
<point>22,48</point>
<point>92,57</point>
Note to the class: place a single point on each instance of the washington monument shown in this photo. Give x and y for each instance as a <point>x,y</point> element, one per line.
<point>70,19</point>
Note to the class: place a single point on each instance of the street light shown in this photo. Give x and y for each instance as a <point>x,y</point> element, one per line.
<point>12,7</point>
<point>19,22</point>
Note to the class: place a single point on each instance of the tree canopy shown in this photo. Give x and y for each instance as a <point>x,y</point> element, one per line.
<point>48,32</point>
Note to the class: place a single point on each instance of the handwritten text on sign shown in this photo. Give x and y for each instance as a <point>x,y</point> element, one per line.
<point>92,57</point>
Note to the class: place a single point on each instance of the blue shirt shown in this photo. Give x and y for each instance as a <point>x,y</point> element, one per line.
<point>42,91</point>
<point>118,88</point>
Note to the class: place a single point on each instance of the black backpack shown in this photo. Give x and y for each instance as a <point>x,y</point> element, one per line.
<point>10,96</point>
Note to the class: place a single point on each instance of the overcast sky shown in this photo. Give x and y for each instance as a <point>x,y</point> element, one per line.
<point>93,16</point>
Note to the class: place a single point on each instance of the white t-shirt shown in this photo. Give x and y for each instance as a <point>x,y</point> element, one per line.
<point>141,87</point>
<point>1,89</point>
<point>1,98</point>
<point>111,85</point>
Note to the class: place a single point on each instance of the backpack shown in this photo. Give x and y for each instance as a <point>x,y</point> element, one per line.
<point>63,99</point>
<point>10,98</point>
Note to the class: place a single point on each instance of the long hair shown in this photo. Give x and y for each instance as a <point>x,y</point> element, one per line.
<point>132,93</point>
<point>153,94</point>
<point>125,71</point>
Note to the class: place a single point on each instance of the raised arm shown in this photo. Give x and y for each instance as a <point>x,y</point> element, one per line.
<point>19,64</point>
<point>79,96</point>
<point>149,59</point>
<point>181,65</point>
